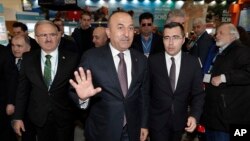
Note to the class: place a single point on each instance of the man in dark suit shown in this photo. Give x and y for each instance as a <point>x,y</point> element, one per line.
<point>203,41</point>
<point>19,45</point>
<point>43,87</point>
<point>176,80</point>
<point>8,76</point>
<point>147,42</point>
<point>119,104</point>
<point>228,91</point>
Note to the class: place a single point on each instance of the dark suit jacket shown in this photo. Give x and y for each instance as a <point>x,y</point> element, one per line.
<point>105,120</point>
<point>8,77</point>
<point>42,101</point>
<point>83,39</point>
<point>202,46</point>
<point>156,44</point>
<point>168,107</point>
<point>229,102</point>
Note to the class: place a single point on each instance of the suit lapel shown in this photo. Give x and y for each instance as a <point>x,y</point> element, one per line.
<point>38,69</point>
<point>111,70</point>
<point>62,58</point>
<point>134,73</point>
<point>163,66</point>
<point>183,70</point>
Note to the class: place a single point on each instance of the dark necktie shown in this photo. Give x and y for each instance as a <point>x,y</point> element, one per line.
<point>47,70</point>
<point>18,64</point>
<point>172,74</point>
<point>122,74</point>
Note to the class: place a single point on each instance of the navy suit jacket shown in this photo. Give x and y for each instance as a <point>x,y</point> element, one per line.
<point>42,101</point>
<point>168,107</point>
<point>105,120</point>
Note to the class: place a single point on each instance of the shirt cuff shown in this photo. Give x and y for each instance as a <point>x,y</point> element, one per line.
<point>84,103</point>
<point>223,78</point>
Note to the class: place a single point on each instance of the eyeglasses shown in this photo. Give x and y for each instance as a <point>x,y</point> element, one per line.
<point>146,24</point>
<point>173,38</point>
<point>45,35</point>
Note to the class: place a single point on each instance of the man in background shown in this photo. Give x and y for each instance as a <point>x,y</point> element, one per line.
<point>228,86</point>
<point>8,78</point>
<point>68,41</point>
<point>100,37</point>
<point>203,41</point>
<point>83,35</point>
<point>19,45</point>
<point>20,28</point>
<point>178,16</point>
<point>147,42</point>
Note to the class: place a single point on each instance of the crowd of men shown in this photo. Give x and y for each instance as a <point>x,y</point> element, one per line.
<point>131,87</point>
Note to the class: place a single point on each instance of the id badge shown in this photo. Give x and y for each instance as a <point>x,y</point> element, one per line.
<point>207,78</point>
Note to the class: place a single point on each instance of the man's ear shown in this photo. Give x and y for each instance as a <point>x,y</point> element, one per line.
<point>108,32</point>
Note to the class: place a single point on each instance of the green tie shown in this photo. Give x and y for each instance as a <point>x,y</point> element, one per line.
<point>47,70</point>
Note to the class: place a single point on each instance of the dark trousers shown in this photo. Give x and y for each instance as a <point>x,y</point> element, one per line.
<point>165,134</point>
<point>212,135</point>
<point>6,131</point>
<point>124,136</point>
<point>30,131</point>
<point>54,131</point>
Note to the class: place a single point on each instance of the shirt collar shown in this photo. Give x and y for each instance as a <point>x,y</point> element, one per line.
<point>176,57</point>
<point>115,52</point>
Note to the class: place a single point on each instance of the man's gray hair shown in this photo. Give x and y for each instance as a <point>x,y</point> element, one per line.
<point>175,13</point>
<point>233,30</point>
<point>199,21</point>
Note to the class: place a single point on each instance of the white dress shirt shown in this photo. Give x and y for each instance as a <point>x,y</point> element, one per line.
<point>177,58</point>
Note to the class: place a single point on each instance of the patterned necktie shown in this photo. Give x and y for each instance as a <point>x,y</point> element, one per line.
<point>172,74</point>
<point>47,71</point>
<point>122,74</point>
<point>18,64</point>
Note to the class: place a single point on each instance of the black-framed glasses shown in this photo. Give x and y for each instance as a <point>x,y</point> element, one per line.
<point>146,24</point>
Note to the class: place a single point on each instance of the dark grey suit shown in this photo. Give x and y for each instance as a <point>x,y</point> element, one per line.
<point>105,120</point>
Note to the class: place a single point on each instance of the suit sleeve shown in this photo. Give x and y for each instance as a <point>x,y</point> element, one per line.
<point>197,93</point>
<point>145,98</point>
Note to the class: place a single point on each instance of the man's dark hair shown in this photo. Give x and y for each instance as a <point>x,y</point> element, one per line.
<point>175,24</point>
<point>115,12</point>
<point>21,25</point>
<point>146,15</point>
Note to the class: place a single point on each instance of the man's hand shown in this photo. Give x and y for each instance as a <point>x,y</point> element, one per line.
<point>216,81</point>
<point>191,124</point>
<point>144,134</point>
<point>10,109</point>
<point>83,84</point>
<point>18,127</point>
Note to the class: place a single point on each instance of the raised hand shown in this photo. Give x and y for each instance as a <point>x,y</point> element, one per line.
<point>83,84</point>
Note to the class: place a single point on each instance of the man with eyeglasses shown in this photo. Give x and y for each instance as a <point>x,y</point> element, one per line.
<point>147,42</point>
<point>176,82</point>
<point>83,34</point>
<point>43,87</point>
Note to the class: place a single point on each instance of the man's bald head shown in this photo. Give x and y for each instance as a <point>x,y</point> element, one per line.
<point>99,36</point>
